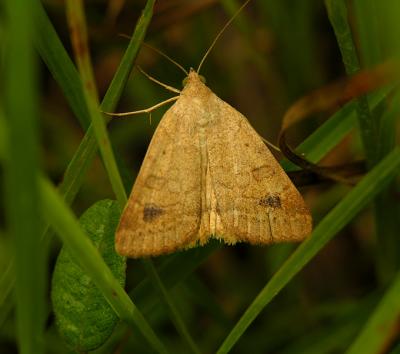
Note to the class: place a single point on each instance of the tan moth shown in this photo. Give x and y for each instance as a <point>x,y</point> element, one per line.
<point>207,173</point>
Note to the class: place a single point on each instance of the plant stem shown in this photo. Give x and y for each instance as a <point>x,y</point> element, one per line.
<point>337,12</point>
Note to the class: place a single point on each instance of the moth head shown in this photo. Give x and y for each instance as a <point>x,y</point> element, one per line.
<point>193,73</point>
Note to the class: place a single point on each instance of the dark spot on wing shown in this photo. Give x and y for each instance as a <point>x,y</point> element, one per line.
<point>151,212</point>
<point>271,200</point>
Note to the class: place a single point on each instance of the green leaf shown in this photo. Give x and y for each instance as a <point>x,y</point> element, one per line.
<point>84,252</point>
<point>83,315</point>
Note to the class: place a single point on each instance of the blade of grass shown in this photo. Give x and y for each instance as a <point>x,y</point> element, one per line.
<point>337,13</point>
<point>382,326</point>
<point>175,315</point>
<point>342,324</point>
<point>367,25</point>
<point>6,279</point>
<point>369,124</point>
<point>59,64</point>
<point>329,134</point>
<point>83,157</point>
<point>386,205</point>
<point>77,23</point>
<point>339,216</point>
<point>173,271</point>
<point>63,70</point>
<point>197,292</point>
<point>20,88</point>
<point>396,349</point>
<point>304,73</point>
<point>260,61</point>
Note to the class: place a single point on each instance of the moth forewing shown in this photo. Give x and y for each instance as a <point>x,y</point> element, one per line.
<point>256,200</point>
<point>163,211</point>
<point>207,172</point>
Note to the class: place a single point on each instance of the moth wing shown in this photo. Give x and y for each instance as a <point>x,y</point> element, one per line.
<point>163,210</point>
<point>256,201</point>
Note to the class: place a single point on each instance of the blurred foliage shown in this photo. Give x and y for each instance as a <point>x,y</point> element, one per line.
<point>274,53</point>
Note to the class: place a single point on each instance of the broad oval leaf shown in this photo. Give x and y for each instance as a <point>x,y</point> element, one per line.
<point>83,316</point>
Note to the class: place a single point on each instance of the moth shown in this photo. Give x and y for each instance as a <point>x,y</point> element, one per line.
<point>207,173</point>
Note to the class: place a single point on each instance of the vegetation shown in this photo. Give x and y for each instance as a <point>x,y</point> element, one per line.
<point>336,292</point>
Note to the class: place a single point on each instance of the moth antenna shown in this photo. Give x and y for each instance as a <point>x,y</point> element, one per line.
<point>270,144</point>
<point>147,110</point>
<point>169,88</point>
<point>123,35</point>
<point>166,57</point>
<point>220,33</point>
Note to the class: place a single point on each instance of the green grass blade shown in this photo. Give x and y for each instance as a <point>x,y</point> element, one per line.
<point>175,269</point>
<point>396,349</point>
<point>329,134</point>
<point>64,72</point>
<point>382,326</point>
<point>128,60</point>
<point>367,25</point>
<point>67,226</point>
<point>304,73</point>
<point>370,126</point>
<point>77,24</point>
<point>59,64</point>
<point>174,313</point>
<point>337,13</point>
<point>354,201</point>
<point>386,204</point>
<point>261,62</point>
<point>7,272</point>
<point>80,163</point>
<point>172,271</point>
<point>83,157</point>
<point>344,322</point>
<point>200,295</point>
<point>20,86</point>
